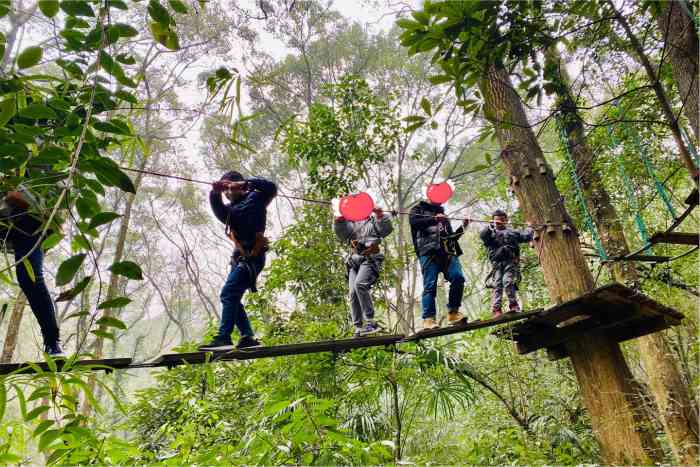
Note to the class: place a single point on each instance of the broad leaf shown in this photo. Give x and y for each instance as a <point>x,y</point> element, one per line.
<point>29,57</point>
<point>127,269</point>
<point>103,218</point>
<point>49,7</point>
<point>178,6</point>
<point>158,12</point>
<point>118,302</point>
<point>77,8</point>
<point>111,322</point>
<point>8,108</point>
<point>68,269</point>
<point>75,291</point>
<point>37,111</point>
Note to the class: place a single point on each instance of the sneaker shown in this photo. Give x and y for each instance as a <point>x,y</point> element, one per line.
<point>370,328</point>
<point>514,308</point>
<point>358,331</point>
<point>54,350</point>
<point>496,311</point>
<point>247,341</point>
<point>429,323</point>
<point>455,317</point>
<point>217,341</point>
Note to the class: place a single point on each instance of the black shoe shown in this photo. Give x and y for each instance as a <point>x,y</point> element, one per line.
<point>54,350</point>
<point>218,341</point>
<point>247,341</point>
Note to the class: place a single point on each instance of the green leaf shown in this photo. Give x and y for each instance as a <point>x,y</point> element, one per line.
<point>103,334</point>
<point>126,96</point>
<point>3,43</point>
<point>126,59</point>
<point>75,291</point>
<point>109,173</point>
<point>172,42</point>
<point>103,218</point>
<point>8,458</point>
<point>118,302</point>
<point>49,7</point>
<point>36,412</point>
<point>440,79</point>
<point>117,4</point>
<point>29,57</point>
<point>42,427</point>
<point>30,269</point>
<point>8,108</point>
<point>425,105</point>
<point>71,67</point>
<point>126,30</point>
<point>178,6</point>
<point>3,399</point>
<point>51,155</point>
<point>51,241</point>
<point>68,269</point>
<point>111,322</point>
<point>47,438</point>
<point>37,111</point>
<point>116,126</point>
<point>127,269</point>
<point>77,8</point>
<point>158,12</point>
<point>408,24</point>
<point>5,7</point>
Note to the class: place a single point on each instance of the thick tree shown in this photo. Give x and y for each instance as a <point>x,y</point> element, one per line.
<point>676,410</point>
<point>680,36</point>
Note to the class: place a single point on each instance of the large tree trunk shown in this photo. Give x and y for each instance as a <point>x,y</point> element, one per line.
<point>600,367</point>
<point>676,411</point>
<point>682,43</point>
<point>661,96</point>
<point>8,349</point>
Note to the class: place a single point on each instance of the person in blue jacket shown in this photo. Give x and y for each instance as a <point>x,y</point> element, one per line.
<point>245,218</point>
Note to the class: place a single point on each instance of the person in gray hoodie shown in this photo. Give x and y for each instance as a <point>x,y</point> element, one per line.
<point>363,264</point>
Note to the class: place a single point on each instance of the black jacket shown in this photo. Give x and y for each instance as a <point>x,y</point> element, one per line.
<point>247,217</point>
<point>504,245</point>
<point>429,236</point>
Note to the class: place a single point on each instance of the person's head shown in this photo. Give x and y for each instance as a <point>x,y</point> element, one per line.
<point>500,218</point>
<point>233,195</point>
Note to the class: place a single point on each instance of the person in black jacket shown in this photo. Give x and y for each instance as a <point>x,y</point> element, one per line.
<point>436,245</point>
<point>245,218</point>
<point>23,231</point>
<point>503,247</point>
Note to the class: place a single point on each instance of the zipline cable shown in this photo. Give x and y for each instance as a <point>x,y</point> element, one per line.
<point>329,203</point>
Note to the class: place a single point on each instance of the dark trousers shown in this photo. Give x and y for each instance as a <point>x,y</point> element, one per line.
<point>431,267</point>
<point>35,288</point>
<point>241,278</point>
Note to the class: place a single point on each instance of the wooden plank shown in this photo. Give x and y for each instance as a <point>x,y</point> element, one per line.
<point>675,238</point>
<point>223,354</point>
<point>472,325</point>
<point>693,198</point>
<point>106,364</point>
<point>618,310</point>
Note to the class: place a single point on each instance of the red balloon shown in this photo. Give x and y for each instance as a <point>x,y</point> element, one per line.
<point>440,192</point>
<point>356,207</point>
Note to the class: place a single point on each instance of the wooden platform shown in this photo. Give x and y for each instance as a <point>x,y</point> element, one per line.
<point>107,365</point>
<point>675,238</point>
<point>614,310</point>
<point>470,326</point>
<point>340,345</point>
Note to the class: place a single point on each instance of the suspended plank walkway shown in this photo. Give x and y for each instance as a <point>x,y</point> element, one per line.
<point>614,309</point>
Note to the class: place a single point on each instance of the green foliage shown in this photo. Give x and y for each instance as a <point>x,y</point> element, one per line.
<point>337,141</point>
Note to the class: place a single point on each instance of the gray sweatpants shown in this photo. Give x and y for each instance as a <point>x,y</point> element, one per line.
<point>362,274</point>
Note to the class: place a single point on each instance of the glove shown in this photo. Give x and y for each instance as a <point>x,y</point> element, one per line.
<point>15,199</point>
<point>465,222</point>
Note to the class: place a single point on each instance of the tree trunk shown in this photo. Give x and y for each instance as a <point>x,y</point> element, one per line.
<point>661,96</point>
<point>600,367</point>
<point>682,43</point>
<point>676,411</point>
<point>8,349</point>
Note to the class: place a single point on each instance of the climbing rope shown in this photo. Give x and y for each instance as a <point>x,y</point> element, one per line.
<point>576,179</point>
<point>329,203</point>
